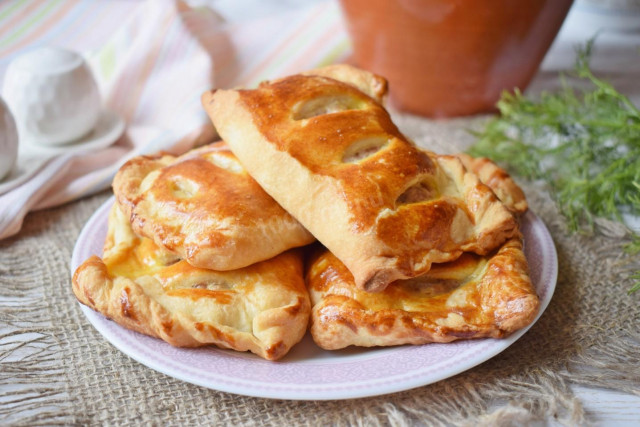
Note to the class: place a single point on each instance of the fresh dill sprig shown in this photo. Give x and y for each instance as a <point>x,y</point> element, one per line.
<point>636,286</point>
<point>583,141</point>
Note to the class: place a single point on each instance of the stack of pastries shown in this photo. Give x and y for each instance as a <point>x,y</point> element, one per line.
<point>218,246</point>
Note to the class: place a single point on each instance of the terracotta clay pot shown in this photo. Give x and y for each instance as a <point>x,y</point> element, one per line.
<point>452,57</point>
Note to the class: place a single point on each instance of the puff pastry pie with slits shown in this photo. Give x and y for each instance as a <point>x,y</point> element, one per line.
<point>472,297</point>
<point>204,207</point>
<point>325,149</point>
<point>263,308</point>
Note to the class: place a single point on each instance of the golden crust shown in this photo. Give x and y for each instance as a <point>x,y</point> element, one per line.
<point>496,178</point>
<point>373,85</point>
<point>263,308</point>
<point>471,297</point>
<point>204,207</point>
<point>331,156</point>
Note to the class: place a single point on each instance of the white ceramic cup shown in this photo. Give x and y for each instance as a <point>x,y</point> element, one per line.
<point>8,140</point>
<point>53,96</point>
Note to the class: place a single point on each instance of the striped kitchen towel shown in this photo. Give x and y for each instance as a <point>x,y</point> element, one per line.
<point>152,71</point>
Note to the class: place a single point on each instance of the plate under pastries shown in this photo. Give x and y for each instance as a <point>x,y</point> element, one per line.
<point>263,308</point>
<point>327,151</point>
<point>308,372</point>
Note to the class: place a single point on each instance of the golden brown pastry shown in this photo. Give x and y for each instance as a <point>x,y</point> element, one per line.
<point>371,84</point>
<point>471,297</point>
<point>204,207</point>
<point>263,308</point>
<point>496,178</point>
<point>331,156</point>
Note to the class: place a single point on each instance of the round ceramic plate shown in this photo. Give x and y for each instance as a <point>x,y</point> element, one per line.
<point>309,372</point>
<point>32,157</point>
<point>107,130</point>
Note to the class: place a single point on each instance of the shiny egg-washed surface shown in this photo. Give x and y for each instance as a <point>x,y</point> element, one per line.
<point>263,308</point>
<point>329,153</point>
<point>472,297</point>
<point>205,208</point>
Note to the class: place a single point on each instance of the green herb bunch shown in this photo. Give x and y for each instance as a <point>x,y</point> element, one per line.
<point>583,141</point>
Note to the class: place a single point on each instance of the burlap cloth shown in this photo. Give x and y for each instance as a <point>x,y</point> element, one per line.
<point>55,368</point>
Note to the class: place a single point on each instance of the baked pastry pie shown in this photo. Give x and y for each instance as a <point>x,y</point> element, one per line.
<point>263,308</point>
<point>496,178</point>
<point>205,208</point>
<point>328,152</point>
<point>472,297</point>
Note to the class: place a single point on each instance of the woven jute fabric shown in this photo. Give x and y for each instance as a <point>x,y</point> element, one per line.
<point>55,368</point>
